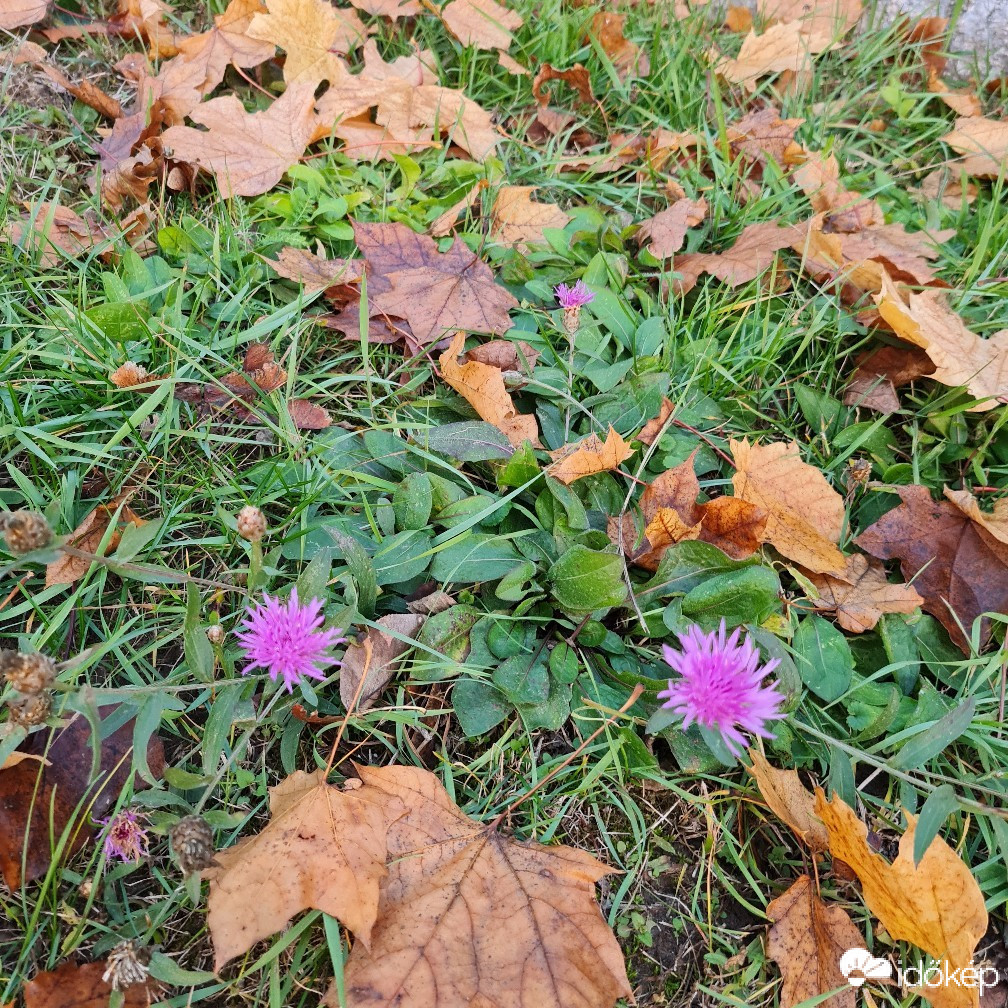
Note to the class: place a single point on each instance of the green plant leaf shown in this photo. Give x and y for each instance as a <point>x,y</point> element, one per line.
<point>585,580</point>
<point>825,663</point>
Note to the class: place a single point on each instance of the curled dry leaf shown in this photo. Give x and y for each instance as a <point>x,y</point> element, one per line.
<point>819,178</point>
<point>936,904</point>
<point>376,658</point>
<point>964,103</point>
<point>806,940</point>
<point>73,986</point>
<point>665,232</point>
<point>654,427</point>
<point>516,357</point>
<point>861,594</point>
<point>484,24</point>
<point>805,515</point>
<point>470,917</point>
<point>56,231</point>
<point>576,76</point>
<point>983,144</point>
<point>588,457</point>
<point>790,801</point>
<point>18,13</point>
<point>482,386</point>
<point>322,849</point>
<point>626,56</point>
<point>306,415</point>
<point>959,567</point>
<point>37,794</point>
<point>517,221</point>
<point>84,91</point>
<point>738,19</point>
<point>783,47</point>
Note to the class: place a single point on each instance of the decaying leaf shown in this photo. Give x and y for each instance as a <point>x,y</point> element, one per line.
<point>322,849</point>
<point>665,232</point>
<point>73,986</point>
<point>56,231</point>
<point>314,272</point>
<point>469,916</point>
<point>626,56</point>
<point>654,427</point>
<point>844,211</point>
<point>377,658</point>
<point>983,144</point>
<point>388,8</point>
<point>805,515</point>
<point>936,904</point>
<point>482,386</point>
<point>576,76</point>
<point>484,24</point>
<point>762,135</point>
<point>518,221</point>
<point>832,17</point>
<point>17,13</point>
<point>790,801</point>
<point>861,594</point>
<point>588,457</point>
<point>514,357</point>
<point>88,536</point>
<point>880,373</point>
<point>60,783</point>
<point>806,940</point>
<point>782,47</point>
<point>957,565</point>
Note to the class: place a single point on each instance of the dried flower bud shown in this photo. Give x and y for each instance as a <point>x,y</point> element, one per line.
<point>28,673</point>
<point>192,841</point>
<point>30,710</point>
<point>128,964</point>
<point>215,634</point>
<point>25,531</point>
<point>251,523</point>
<point>128,375</point>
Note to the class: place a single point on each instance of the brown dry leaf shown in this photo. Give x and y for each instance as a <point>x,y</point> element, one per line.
<point>312,33</point>
<point>954,561</point>
<point>738,19</point>
<point>435,292</point>
<point>388,8</point>
<point>19,757</point>
<point>762,135</point>
<point>782,47</point>
<point>377,657</point>
<point>57,231</point>
<point>983,144</point>
<point>247,153</point>
<point>961,357</point>
<point>880,373</point>
<point>18,13</point>
<point>417,68</point>
<point>805,515</point>
<point>315,272</point>
<point>322,849</point>
<point>37,795</point>
<point>904,254</point>
<point>86,92</point>
<point>666,230</point>
<point>576,76</point>
<point>67,569</point>
<point>946,186</point>
<point>483,388</point>
<point>484,24</point>
<point>444,224</point>
<point>935,905</point>
<point>227,43</point>
<point>735,526</point>
<point>469,916</point>
<point>964,103</point>
<point>823,259</point>
<point>829,17</point>
<point>307,415</point>
<point>753,252</point>
<point>662,531</point>
<point>517,221</point>
<point>626,56</point>
<point>654,427</point>
<point>790,801</point>
<point>73,986</point>
<point>149,20</point>
<point>861,594</point>
<point>588,457</point>
<point>806,940</point>
<point>515,358</point>
<point>931,35</point>
<point>996,523</point>
<point>845,211</point>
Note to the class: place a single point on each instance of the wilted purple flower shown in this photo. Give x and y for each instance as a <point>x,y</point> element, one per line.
<point>125,838</point>
<point>286,639</point>
<point>721,685</point>
<point>573,297</point>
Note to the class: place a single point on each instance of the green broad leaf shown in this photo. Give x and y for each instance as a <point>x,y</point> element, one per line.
<point>165,969</point>
<point>120,322</point>
<point>564,664</point>
<point>520,469</point>
<point>523,679</point>
<point>467,441</point>
<point>185,780</point>
<point>473,559</point>
<point>686,565</point>
<point>402,556</point>
<point>147,722</point>
<point>841,776</point>
<point>134,539</point>
<point>413,501</point>
<point>516,584</point>
<point>448,634</point>
<point>585,580</point>
<point>551,713</point>
<point>872,716</point>
<point>940,804</point>
<point>361,569</point>
<point>314,579</point>
<point>577,517</point>
<point>901,650</point>
<point>507,638</point>
<point>199,654</point>
<point>786,671</point>
<point>742,596</point>
<point>825,662</point>
<point>479,706</point>
<point>930,742</point>
<point>661,720</point>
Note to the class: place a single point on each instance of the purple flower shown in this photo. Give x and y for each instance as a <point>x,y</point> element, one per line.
<point>125,838</point>
<point>285,639</point>
<point>720,686</point>
<point>573,297</point>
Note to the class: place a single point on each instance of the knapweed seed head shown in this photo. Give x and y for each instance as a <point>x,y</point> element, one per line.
<point>28,673</point>
<point>287,639</point>
<point>128,964</point>
<point>25,531</point>
<point>720,685</point>
<point>125,838</point>
<point>29,710</point>
<point>192,842</point>
<point>251,523</point>
<point>572,300</point>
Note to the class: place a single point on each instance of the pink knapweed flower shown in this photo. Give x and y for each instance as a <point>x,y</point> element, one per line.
<point>125,838</point>
<point>573,297</point>
<point>720,685</point>
<point>286,639</point>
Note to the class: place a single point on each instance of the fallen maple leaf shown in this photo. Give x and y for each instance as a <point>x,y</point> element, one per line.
<point>805,515</point>
<point>482,386</point>
<point>996,523</point>
<point>762,136</point>
<point>444,224</point>
<point>41,800</point>
<point>654,427</point>
<point>738,19</point>
<point>484,24</point>
<point>576,76</point>
<point>880,373</point>
<point>626,56</point>
<point>470,917</point>
<point>784,46</point>
<point>957,565</point>
<point>861,594</point>
<point>935,904</point>
<point>588,457</point>
<point>963,103</point>
<point>312,33</point>
<point>56,231</point>
<point>819,178</point>
<point>516,358</point>
<point>949,188</point>
<point>247,153</point>
<point>830,17</point>
<point>377,658</point>
<point>790,801</point>
<point>435,292</point>
<point>388,8</point>
<point>665,232</point>
<point>517,221</point>
<point>73,986</point>
<point>983,144</point>
<point>806,940</point>
<point>18,13</point>
<point>315,272</point>
<point>323,848</point>
<point>88,536</point>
